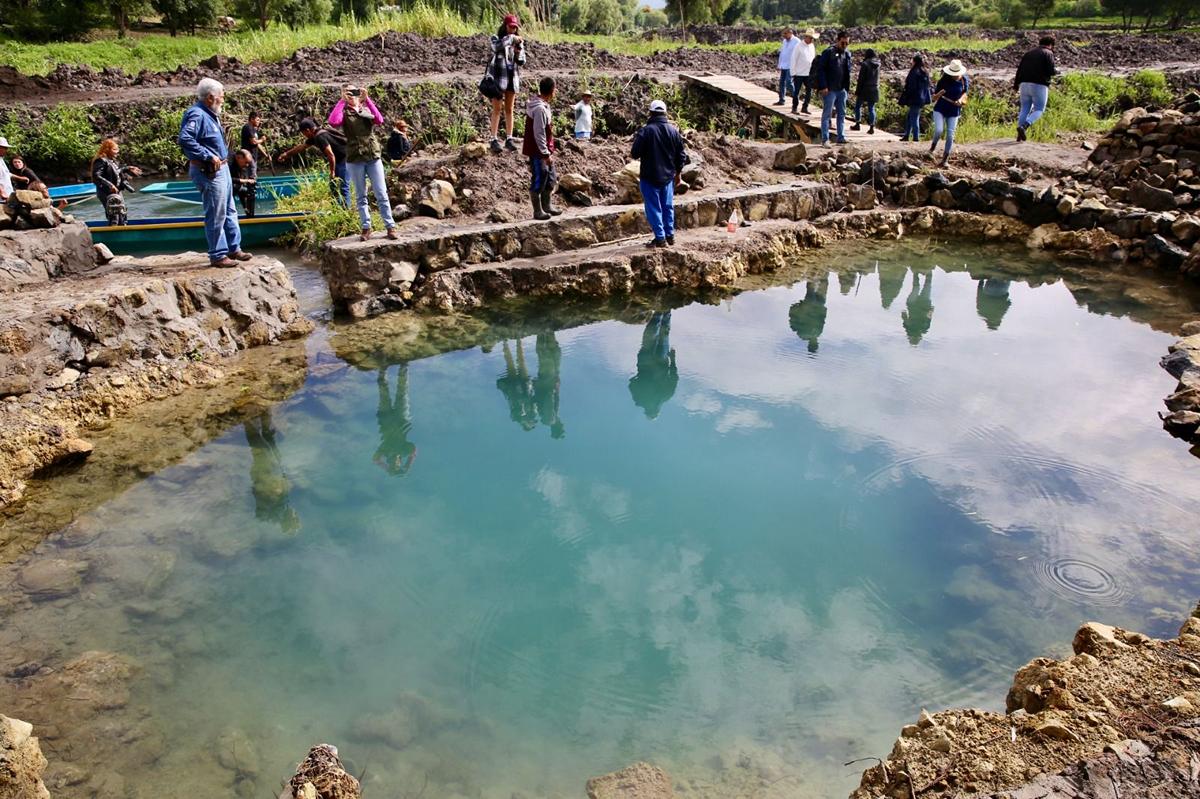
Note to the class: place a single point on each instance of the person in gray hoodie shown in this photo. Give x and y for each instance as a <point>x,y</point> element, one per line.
<point>538,147</point>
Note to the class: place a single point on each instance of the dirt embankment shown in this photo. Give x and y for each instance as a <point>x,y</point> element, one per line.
<point>395,54</point>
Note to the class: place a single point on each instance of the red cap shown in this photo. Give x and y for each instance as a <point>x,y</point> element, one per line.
<point>511,19</point>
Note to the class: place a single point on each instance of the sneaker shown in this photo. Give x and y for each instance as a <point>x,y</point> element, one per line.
<point>670,241</point>
<point>495,145</point>
<point>240,255</point>
<point>1020,133</point>
<point>510,144</point>
<point>856,126</point>
<point>777,102</point>
<point>841,141</point>
<point>825,143</point>
<point>658,243</point>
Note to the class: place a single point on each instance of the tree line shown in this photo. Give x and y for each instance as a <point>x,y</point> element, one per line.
<point>46,20</point>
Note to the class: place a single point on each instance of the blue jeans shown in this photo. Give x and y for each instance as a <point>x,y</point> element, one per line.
<point>339,185</point>
<point>1034,97</point>
<point>541,174</point>
<point>359,172</point>
<point>221,228</point>
<point>858,105</point>
<point>950,124</point>
<point>660,207</point>
<point>785,83</point>
<point>912,124</point>
<point>835,100</point>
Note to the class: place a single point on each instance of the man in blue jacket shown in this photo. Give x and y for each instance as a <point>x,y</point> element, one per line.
<point>203,142</point>
<point>660,148</point>
<point>833,81</point>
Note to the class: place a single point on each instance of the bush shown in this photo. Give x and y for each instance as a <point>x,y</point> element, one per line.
<point>152,142</point>
<point>948,11</point>
<point>604,17</point>
<point>574,16</point>
<point>988,20</point>
<point>327,219</point>
<point>298,13</point>
<point>63,140</point>
<point>647,18</point>
<point>1078,9</point>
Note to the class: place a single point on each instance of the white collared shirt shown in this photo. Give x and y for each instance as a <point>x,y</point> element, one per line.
<point>802,58</point>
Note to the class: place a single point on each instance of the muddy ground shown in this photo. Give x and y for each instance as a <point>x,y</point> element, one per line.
<point>393,54</point>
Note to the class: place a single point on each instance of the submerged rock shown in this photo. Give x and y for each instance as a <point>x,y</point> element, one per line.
<point>321,776</point>
<point>639,781</point>
<point>53,578</point>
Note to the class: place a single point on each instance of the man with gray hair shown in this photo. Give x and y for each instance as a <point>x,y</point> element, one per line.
<point>203,142</point>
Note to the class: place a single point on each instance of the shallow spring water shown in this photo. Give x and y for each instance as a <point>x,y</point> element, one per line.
<point>746,540</point>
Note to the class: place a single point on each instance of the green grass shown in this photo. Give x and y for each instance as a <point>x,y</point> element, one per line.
<point>159,52</point>
<point>327,219</point>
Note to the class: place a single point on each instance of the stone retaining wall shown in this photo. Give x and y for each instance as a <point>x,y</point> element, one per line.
<point>1183,406</point>
<point>367,278</point>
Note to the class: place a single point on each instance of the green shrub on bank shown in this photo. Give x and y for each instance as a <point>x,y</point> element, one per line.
<point>152,143</point>
<point>61,140</point>
<point>326,218</point>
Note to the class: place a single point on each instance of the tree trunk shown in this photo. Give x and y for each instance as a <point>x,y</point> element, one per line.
<point>682,23</point>
<point>122,20</point>
<point>262,14</point>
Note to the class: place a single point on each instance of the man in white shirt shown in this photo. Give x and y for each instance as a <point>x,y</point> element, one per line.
<point>6,187</point>
<point>786,49</point>
<point>802,58</point>
<point>583,117</point>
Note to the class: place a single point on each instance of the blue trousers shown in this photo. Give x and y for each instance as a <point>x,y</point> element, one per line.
<point>912,124</point>
<point>221,229</point>
<point>660,208</point>
<point>541,174</point>
<point>1034,97</point>
<point>359,172</point>
<point>785,83</point>
<point>858,106</point>
<point>834,101</point>
<point>950,124</point>
<point>339,185</point>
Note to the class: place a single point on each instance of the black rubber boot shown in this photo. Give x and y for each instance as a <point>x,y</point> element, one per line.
<point>536,199</point>
<point>546,206</point>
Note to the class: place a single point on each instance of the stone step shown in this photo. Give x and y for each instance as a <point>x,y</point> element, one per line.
<point>370,277</point>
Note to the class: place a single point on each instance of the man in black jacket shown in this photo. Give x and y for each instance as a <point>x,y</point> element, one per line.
<point>660,148</point>
<point>832,70</point>
<point>1033,83</point>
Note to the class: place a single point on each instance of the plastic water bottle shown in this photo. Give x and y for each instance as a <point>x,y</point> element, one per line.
<point>735,219</point>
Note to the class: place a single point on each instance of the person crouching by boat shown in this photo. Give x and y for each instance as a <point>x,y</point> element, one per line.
<point>111,181</point>
<point>244,173</point>
<point>398,143</point>
<point>332,147</point>
<point>538,147</point>
<point>358,116</point>
<point>202,140</point>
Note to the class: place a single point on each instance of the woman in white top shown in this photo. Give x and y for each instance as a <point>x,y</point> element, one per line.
<point>802,58</point>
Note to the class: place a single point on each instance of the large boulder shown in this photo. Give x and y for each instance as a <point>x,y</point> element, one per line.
<point>437,197</point>
<point>789,158</point>
<point>573,181</point>
<point>1146,196</point>
<point>627,183</point>
<point>21,761</point>
<point>37,255</point>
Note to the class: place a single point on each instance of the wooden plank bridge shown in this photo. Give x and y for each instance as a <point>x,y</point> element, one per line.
<point>761,101</point>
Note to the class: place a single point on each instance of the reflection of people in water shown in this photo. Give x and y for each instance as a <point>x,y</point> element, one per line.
<point>268,483</point>
<point>657,376</point>
<point>917,315</point>
<point>517,388</point>
<point>992,301</point>
<point>546,385</point>
<point>891,280</point>
<point>807,317</point>
<point>394,417</point>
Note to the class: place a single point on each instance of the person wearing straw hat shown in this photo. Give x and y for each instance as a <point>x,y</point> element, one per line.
<point>802,59</point>
<point>6,187</point>
<point>583,116</point>
<point>949,96</point>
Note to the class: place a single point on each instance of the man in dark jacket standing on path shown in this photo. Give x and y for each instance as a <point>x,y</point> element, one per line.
<point>833,81</point>
<point>1033,83</point>
<point>660,148</point>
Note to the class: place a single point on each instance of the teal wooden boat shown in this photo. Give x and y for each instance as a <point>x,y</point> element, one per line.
<point>269,187</point>
<point>73,192</point>
<point>178,234</point>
